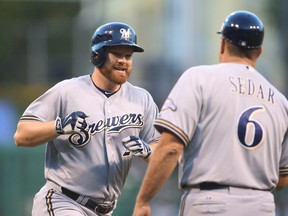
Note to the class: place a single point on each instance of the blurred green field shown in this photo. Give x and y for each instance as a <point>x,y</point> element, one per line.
<point>22,175</point>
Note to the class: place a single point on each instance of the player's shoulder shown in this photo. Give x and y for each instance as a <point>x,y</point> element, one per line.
<point>74,81</point>
<point>127,86</point>
<point>135,90</point>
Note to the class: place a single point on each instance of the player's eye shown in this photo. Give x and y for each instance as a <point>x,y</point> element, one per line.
<point>117,55</point>
<point>129,56</point>
<point>121,55</point>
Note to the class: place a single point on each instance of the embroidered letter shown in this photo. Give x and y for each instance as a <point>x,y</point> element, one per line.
<point>125,34</point>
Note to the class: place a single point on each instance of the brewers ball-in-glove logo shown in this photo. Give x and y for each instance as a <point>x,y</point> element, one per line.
<point>169,104</point>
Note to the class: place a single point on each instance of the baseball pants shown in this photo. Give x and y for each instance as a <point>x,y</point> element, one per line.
<point>226,202</point>
<point>50,201</point>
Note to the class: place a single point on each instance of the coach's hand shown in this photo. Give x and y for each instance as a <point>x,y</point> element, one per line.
<point>72,123</point>
<point>136,146</point>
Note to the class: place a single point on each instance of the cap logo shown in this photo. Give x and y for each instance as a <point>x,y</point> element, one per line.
<point>125,34</point>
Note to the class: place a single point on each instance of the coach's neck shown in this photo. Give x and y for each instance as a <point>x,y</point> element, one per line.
<point>227,57</point>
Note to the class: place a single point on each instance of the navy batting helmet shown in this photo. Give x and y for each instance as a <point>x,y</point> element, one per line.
<point>243,29</point>
<point>112,34</point>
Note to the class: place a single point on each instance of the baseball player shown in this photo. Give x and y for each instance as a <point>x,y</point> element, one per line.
<point>227,126</point>
<point>93,125</point>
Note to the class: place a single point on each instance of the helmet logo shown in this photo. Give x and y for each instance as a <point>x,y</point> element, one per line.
<point>125,34</point>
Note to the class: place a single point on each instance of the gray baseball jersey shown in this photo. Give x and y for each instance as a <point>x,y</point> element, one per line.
<point>94,163</point>
<point>233,123</point>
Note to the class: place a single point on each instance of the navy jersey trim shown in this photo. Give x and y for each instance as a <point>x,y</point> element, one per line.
<point>171,127</point>
<point>283,171</point>
<point>183,203</point>
<point>29,118</point>
<point>49,202</point>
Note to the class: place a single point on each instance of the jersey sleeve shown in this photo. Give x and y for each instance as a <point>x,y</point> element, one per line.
<point>181,110</point>
<point>284,158</point>
<point>45,107</point>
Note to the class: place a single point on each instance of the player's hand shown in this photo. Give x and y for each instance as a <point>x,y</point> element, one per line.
<point>72,123</point>
<point>136,146</point>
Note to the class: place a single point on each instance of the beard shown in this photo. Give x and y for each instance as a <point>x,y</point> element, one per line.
<point>115,75</point>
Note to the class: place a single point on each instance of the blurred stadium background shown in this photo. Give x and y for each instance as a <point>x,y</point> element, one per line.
<point>45,41</point>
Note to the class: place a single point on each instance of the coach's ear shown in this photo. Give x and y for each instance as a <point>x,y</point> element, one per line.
<point>260,50</point>
<point>222,47</point>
